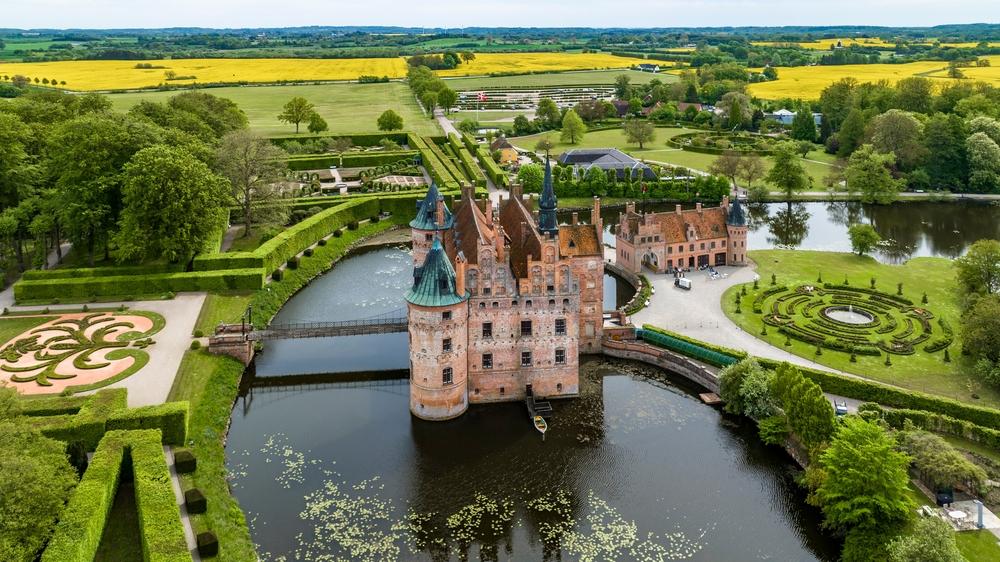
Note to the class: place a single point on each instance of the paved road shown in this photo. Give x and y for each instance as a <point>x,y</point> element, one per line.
<point>446,125</point>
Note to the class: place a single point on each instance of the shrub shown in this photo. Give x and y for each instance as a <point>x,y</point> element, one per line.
<point>195,344</point>
<point>321,242</point>
<point>773,430</point>
<point>194,501</point>
<point>199,334</point>
<point>293,263</point>
<point>170,419</point>
<point>338,233</point>
<point>353,225</point>
<point>185,461</point>
<point>208,544</point>
<point>277,274</point>
<point>308,252</point>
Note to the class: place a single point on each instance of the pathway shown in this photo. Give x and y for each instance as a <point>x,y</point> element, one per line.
<point>189,535</point>
<point>7,295</point>
<point>445,123</point>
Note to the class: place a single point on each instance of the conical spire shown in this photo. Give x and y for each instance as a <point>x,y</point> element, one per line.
<point>736,215</point>
<point>434,282</point>
<point>547,221</point>
<point>426,218</point>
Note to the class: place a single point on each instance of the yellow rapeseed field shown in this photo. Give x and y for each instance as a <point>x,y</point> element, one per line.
<point>824,44</point>
<point>118,75</point>
<point>486,63</point>
<point>807,82</point>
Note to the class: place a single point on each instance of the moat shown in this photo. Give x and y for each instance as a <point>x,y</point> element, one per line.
<point>636,468</point>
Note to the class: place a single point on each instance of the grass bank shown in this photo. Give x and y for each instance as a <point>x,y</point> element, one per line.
<point>221,309</point>
<point>922,371</point>
<point>13,327</point>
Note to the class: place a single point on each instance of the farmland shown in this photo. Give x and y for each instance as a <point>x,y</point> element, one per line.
<point>347,108</point>
<point>807,82</point>
<point>486,63</point>
<point>577,78</point>
<point>824,44</point>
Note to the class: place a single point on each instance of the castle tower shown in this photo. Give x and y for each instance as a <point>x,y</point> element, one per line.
<point>736,227</point>
<point>437,312</point>
<point>432,222</point>
<point>548,225</point>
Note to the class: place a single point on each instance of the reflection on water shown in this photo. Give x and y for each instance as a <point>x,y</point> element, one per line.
<point>908,229</point>
<point>634,469</point>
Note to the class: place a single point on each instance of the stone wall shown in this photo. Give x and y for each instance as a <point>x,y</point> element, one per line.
<point>432,397</point>
<point>699,373</point>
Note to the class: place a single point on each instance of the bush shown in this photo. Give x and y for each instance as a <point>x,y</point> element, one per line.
<point>773,430</point>
<point>338,233</point>
<point>199,334</point>
<point>170,419</point>
<point>277,274</point>
<point>129,285</point>
<point>308,252</point>
<point>185,461</point>
<point>293,263</point>
<point>353,225</point>
<point>321,242</point>
<point>208,544</point>
<point>194,501</point>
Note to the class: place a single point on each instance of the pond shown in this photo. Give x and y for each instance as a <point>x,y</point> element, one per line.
<point>909,230</point>
<point>635,468</point>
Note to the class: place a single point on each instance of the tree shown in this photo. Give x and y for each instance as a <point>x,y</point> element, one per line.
<point>804,126</point>
<point>296,111</point>
<point>171,204</point>
<point>900,133</point>
<point>939,464</point>
<point>469,126</point>
<point>530,176</point>
<point>389,121</point>
<point>751,168</point>
<point>544,144</point>
<point>729,164</point>
<point>863,238</point>
<point>758,403</point>
<point>731,381</point>
<point>787,173</point>
<point>639,131</point>
<point>915,94</point>
<point>944,139</point>
<point>36,479</point>
<point>804,147</point>
<point>852,133</point>
<point>254,167</point>
<point>221,115</point>
<point>868,172</point>
<point>548,113</point>
<point>573,128</point>
<point>837,101</point>
<point>786,376</point>
<point>979,268</point>
<point>522,126</point>
<point>981,329</point>
<point>932,540</point>
<point>340,145</point>
<point>429,100</point>
<point>446,98</point>
<point>810,415</point>
<point>737,108</point>
<point>317,124</point>
<point>984,163</point>
<point>988,125</point>
<point>866,484</point>
<point>622,86</point>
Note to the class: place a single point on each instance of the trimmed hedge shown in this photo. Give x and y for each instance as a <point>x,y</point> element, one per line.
<point>170,419</point>
<point>159,517</point>
<point>493,170</point>
<point>33,274</point>
<point>220,280</point>
<point>358,139</point>
<point>940,423</point>
<point>350,159</point>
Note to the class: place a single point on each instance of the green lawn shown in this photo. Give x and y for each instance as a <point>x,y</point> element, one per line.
<point>978,546</point>
<point>657,152</point>
<point>921,371</point>
<point>219,309</point>
<point>13,327</point>
<point>119,544</point>
<point>972,446</point>
<point>211,383</point>
<point>347,108</point>
<point>585,77</point>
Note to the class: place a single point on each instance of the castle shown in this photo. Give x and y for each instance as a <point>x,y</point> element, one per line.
<point>682,239</point>
<point>503,300</point>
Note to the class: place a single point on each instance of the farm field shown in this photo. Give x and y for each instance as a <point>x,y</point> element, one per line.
<point>989,74</point>
<point>486,63</point>
<point>824,44</point>
<point>817,165</point>
<point>578,78</point>
<point>121,74</point>
<point>807,82</point>
<point>347,108</point>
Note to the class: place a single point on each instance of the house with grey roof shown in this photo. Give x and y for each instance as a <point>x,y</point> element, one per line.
<point>582,159</point>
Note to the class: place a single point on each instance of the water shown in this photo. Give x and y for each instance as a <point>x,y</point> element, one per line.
<point>908,229</point>
<point>637,452</point>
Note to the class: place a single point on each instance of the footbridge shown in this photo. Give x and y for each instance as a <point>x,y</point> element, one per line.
<point>385,323</point>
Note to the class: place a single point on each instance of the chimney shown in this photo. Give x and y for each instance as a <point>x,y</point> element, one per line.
<point>697,207</point>
<point>498,242</point>
<point>595,214</point>
<point>677,209</point>
<point>576,218</point>
<point>534,215</point>
<point>439,212</point>
<point>725,202</point>
<point>467,191</point>
<point>460,276</point>
<point>515,191</point>
<point>524,230</point>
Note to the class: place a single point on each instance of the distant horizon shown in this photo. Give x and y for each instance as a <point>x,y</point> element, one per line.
<point>103,15</point>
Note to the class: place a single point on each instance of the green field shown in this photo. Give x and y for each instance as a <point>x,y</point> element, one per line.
<point>978,545</point>
<point>922,371</point>
<point>347,108</point>
<point>585,77</point>
<point>13,327</point>
<point>219,309</point>
<point>818,168</point>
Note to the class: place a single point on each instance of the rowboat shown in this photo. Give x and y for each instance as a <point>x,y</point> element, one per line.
<point>540,424</point>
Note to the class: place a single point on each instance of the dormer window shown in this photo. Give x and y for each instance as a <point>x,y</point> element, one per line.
<point>572,244</point>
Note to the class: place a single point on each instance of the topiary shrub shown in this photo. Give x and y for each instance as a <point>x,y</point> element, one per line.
<point>308,252</point>
<point>194,501</point>
<point>199,334</point>
<point>185,461</point>
<point>208,544</point>
<point>321,242</point>
<point>277,274</point>
<point>353,225</point>
<point>293,263</point>
<point>195,345</point>
<point>338,233</point>
<point>375,219</point>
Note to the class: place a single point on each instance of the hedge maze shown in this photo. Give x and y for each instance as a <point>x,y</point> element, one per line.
<point>875,323</point>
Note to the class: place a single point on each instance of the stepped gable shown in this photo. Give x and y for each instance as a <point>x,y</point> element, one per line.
<point>471,229</point>
<point>524,241</point>
<point>434,281</point>
<point>708,223</point>
<point>579,240</point>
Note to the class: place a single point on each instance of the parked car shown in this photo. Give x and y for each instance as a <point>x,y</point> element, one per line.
<point>683,283</point>
<point>840,407</point>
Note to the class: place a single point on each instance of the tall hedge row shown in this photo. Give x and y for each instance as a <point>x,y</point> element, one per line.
<point>159,517</point>
<point>493,170</point>
<point>350,159</point>
<point>358,139</point>
<point>940,423</point>
<point>80,288</point>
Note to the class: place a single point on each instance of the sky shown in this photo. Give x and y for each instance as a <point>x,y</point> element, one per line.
<point>104,14</point>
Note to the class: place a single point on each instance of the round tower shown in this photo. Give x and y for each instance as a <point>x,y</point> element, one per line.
<point>432,221</point>
<point>437,313</point>
<point>736,228</point>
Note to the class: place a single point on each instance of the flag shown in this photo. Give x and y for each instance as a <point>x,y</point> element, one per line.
<point>482,96</point>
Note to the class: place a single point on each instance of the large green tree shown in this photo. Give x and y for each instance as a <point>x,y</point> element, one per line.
<point>548,114</point>
<point>787,174</point>
<point>984,163</point>
<point>446,98</point>
<point>810,415</point>
<point>172,202</point>
<point>868,173</point>
<point>573,128</point>
<point>931,540</point>
<point>979,268</point>
<point>852,133</point>
<point>531,176</point>
<point>254,167</point>
<point>944,140</point>
<point>639,131</point>
<point>863,237</point>
<point>866,484</point>
<point>297,110</point>
<point>915,94</point>
<point>900,133</point>
<point>981,329</point>
<point>389,121</point>
<point>804,125</point>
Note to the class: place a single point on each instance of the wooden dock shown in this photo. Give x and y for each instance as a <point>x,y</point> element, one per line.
<point>537,407</point>
<point>710,398</point>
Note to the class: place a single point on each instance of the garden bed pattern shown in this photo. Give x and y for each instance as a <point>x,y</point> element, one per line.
<point>81,351</point>
<point>807,313</point>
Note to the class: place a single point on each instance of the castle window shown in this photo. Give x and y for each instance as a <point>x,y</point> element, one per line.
<point>487,361</point>
<point>496,304</point>
<point>446,315</point>
<point>702,245</point>
<point>560,327</point>
<point>477,392</point>
<point>559,387</point>
<point>446,345</point>
<point>428,237</point>
<point>712,246</point>
<point>443,286</point>
<point>513,303</point>
<point>527,303</point>
<point>560,357</point>
<point>501,391</point>
<point>670,249</point>
<point>446,375</point>
<point>482,305</point>
<point>690,247</point>
<point>723,243</point>
<point>565,302</point>
<point>525,327</point>
<point>551,288</point>
<point>552,302</point>
<point>487,329</point>
<point>525,358</point>
<point>486,291</point>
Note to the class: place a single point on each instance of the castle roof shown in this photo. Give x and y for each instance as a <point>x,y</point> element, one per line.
<point>426,218</point>
<point>434,281</point>
<point>471,229</point>
<point>547,221</point>
<point>709,223</point>
<point>524,241</point>
<point>736,215</point>
<point>579,240</point>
